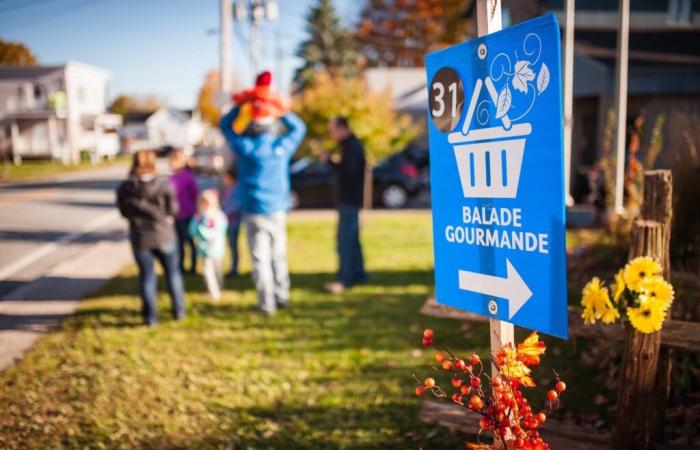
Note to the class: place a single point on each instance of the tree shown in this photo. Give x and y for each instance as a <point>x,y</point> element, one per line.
<point>206,101</point>
<point>382,130</point>
<point>398,33</point>
<point>124,104</point>
<point>16,53</point>
<point>328,47</point>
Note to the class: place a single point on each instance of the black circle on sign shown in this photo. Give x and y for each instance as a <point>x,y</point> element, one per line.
<point>446,98</point>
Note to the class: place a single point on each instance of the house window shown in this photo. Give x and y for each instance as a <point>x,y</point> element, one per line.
<point>680,12</point>
<point>37,92</point>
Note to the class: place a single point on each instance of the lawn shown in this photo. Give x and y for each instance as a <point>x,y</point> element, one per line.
<point>329,372</point>
<point>34,169</point>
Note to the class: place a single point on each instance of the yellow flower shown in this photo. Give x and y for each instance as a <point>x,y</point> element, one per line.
<point>638,269</point>
<point>588,316</point>
<point>610,315</point>
<point>594,300</point>
<point>648,317</point>
<point>619,286</point>
<point>656,288</point>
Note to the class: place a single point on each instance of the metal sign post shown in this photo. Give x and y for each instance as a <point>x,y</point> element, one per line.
<point>488,20</point>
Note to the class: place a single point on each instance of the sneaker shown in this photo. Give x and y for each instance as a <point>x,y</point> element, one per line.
<point>335,287</point>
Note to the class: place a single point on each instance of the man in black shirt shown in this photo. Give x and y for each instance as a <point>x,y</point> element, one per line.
<point>350,183</point>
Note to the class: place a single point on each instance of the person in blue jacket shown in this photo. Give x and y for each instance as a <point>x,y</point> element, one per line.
<point>262,158</point>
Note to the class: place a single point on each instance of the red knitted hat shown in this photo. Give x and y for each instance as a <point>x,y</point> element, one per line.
<point>264,79</point>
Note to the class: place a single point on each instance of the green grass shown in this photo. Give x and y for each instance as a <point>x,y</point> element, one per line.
<point>35,169</point>
<point>329,372</point>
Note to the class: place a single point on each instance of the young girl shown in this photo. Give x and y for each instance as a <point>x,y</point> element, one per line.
<point>185,185</point>
<point>208,228</point>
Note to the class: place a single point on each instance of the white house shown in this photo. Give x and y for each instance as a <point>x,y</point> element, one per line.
<point>166,126</point>
<point>406,84</point>
<point>55,112</point>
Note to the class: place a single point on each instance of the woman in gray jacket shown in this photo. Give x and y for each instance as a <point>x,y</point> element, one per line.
<point>148,202</point>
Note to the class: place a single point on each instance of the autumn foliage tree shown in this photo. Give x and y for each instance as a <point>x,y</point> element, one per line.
<point>206,100</point>
<point>382,130</point>
<point>398,33</point>
<point>16,53</point>
<point>124,104</point>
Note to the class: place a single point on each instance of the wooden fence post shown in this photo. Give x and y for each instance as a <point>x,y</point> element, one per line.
<point>636,395</point>
<point>658,205</point>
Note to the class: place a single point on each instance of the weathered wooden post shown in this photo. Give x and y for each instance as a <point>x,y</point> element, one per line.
<point>658,205</point>
<point>637,413</point>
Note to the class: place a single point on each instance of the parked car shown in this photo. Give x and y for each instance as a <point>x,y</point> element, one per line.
<point>396,180</point>
<point>208,161</point>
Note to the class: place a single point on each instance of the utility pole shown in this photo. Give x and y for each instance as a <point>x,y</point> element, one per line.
<point>225,46</point>
<point>279,60</point>
<point>256,11</point>
<point>568,96</point>
<point>621,100</point>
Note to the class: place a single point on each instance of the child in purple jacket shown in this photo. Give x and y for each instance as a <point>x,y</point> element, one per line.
<point>186,191</point>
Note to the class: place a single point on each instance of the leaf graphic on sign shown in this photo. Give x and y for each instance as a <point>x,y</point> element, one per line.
<point>503,102</point>
<point>542,79</point>
<point>523,73</point>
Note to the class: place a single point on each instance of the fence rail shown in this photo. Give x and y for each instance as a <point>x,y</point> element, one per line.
<point>676,334</point>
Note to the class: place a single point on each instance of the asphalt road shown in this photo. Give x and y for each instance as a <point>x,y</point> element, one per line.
<point>45,223</point>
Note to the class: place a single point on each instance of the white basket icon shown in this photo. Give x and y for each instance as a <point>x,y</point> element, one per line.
<point>489,160</point>
<point>490,168</point>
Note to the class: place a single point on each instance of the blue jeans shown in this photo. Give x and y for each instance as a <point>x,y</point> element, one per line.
<point>233,230</point>
<point>183,237</point>
<point>352,266</point>
<point>267,239</point>
<point>168,258</point>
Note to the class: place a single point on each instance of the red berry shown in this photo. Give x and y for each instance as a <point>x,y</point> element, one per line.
<point>427,342</point>
<point>459,364</point>
<point>519,443</point>
<point>552,395</point>
<point>429,382</point>
<point>439,357</point>
<point>560,386</point>
<point>456,381</point>
<point>474,359</point>
<point>475,382</point>
<point>457,398</point>
<point>485,423</point>
<point>428,333</point>
<point>476,403</point>
<point>447,365</point>
<point>541,417</point>
<point>464,389</point>
<point>420,390</point>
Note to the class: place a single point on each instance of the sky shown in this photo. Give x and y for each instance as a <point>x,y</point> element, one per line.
<point>159,47</point>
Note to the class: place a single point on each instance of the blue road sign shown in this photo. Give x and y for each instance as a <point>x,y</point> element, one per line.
<point>497,176</point>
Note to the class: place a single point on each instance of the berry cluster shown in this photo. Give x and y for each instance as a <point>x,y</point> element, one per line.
<point>503,408</point>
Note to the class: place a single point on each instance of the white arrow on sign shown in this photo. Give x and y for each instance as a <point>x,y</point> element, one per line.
<point>511,288</point>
